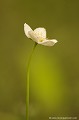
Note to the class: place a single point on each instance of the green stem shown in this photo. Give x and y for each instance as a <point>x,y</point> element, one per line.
<point>27,83</point>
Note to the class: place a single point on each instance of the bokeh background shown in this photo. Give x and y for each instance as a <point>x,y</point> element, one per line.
<point>54,74</point>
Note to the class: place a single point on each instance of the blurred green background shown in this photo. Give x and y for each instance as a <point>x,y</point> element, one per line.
<point>54,75</point>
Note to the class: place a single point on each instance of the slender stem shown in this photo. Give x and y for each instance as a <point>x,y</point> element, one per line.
<point>27,83</point>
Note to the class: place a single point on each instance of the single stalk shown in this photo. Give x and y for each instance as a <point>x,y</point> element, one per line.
<point>27,83</point>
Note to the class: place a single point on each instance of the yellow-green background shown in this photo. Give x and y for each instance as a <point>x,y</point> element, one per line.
<point>54,75</point>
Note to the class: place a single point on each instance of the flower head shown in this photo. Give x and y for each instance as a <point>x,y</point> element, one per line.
<point>38,35</point>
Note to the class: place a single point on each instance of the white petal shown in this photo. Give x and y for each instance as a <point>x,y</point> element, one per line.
<point>48,42</point>
<point>33,36</point>
<point>40,32</point>
<point>27,28</point>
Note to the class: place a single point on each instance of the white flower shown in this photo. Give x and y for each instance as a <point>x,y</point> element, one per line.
<point>38,35</point>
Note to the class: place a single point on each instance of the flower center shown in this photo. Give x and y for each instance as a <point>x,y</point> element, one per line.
<point>41,39</point>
